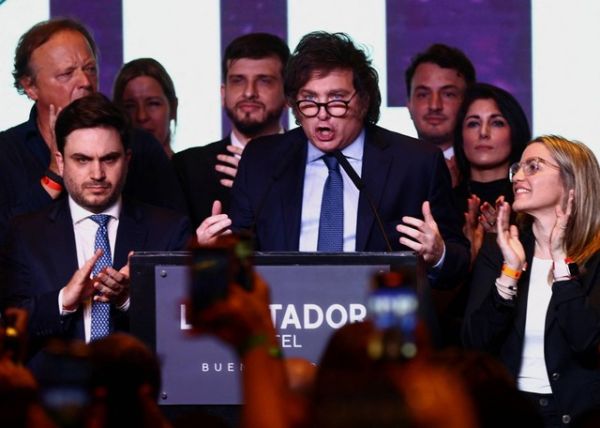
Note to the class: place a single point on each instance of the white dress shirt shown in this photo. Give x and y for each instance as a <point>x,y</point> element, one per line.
<point>316,174</point>
<point>85,235</point>
<point>449,153</point>
<point>236,142</point>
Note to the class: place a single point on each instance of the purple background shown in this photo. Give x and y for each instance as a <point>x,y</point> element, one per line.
<point>495,34</point>
<point>239,17</point>
<point>105,20</point>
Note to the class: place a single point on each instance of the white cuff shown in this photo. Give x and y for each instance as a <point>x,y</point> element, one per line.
<point>61,310</point>
<point>125,306</point>
<point>440,262</point>
<point>507,292</point>
<point>561,270</point>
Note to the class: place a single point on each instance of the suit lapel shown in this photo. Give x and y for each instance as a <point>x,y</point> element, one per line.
<point>223,146</point>
<point>375,169</point>
<point>64,255</point>
<point>291,186</point>
<point>590,266</point>
<point>131,234</point>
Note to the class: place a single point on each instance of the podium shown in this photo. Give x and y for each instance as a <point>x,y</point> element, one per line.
<point>312,295</point>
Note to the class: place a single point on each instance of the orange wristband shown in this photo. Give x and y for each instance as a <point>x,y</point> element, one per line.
<point>511,273</point>
<point>48,182</point>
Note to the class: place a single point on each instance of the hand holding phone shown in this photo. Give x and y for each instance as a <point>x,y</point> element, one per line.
<point>393,306</point>
<point>214,269</point>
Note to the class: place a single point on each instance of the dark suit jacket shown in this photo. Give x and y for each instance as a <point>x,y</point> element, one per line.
<point>399,174</point>
<point>24,159</point>
<point>40,257</point>
<point>572,330</point>
<point>195,168</point>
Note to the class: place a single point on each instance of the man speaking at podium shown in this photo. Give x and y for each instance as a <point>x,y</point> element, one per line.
<point>322,187</point>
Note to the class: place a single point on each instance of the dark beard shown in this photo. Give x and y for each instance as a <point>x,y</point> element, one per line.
<point>437,140</point>
<point>252,129</point>
<point>118,190</point>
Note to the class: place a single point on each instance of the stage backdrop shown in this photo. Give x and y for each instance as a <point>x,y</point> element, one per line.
<point>540,50</point>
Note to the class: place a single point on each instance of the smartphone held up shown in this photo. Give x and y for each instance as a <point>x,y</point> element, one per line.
<point>215,268</point>
<point>393,306</point>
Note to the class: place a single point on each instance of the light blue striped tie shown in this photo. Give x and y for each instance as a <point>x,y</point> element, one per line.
<point>100,310</point>
<point>331,221</point>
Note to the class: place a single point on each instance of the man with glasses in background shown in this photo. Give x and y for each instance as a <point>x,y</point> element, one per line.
<point>296,192</point>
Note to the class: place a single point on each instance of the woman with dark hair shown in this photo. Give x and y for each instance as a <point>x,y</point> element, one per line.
<point>144,89</point>
<point>491,133</point>
<point>535,293</point>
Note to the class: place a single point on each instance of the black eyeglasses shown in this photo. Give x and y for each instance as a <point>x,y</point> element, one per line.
<point>334,108</point>
<point>530,167</point>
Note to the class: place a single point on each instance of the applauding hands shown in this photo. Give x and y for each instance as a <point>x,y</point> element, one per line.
<point>511,247</point>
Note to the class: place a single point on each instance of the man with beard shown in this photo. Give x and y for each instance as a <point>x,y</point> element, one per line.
<point>252,95</point>
<point>68,263</point>
<point>435,83</point>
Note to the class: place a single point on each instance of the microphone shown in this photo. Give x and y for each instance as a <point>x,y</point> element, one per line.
<point>360,185</point>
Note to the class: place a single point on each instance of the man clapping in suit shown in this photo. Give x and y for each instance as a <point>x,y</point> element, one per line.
<point>68,263</point>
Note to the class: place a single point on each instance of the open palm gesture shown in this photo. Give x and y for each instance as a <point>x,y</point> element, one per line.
<point>508,239</point>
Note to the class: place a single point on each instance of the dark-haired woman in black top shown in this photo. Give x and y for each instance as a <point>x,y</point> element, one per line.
<point>491,134</point>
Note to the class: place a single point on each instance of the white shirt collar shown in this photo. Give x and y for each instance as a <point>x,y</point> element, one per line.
<point>78,213</point>
<point>235,141</point>
<point>354,150</point>
<point>449,152</point>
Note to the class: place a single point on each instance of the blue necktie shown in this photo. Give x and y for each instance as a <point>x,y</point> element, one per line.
<point>100,310</point>
<point>331,221</point>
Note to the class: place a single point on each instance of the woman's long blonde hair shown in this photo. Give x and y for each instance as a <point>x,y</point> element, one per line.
<point>580,171</point>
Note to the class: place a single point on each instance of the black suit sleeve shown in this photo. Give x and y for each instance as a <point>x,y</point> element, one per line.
<point>20,174</point>
<point>24,288</point>
<point>441,200</point>
<point>186,181</point>
<point>200,182</point>
<point>488,316</point>
<point>29,199</point>
<point>181,236</point>
<point>242,214</point>
<point>576,305</point>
